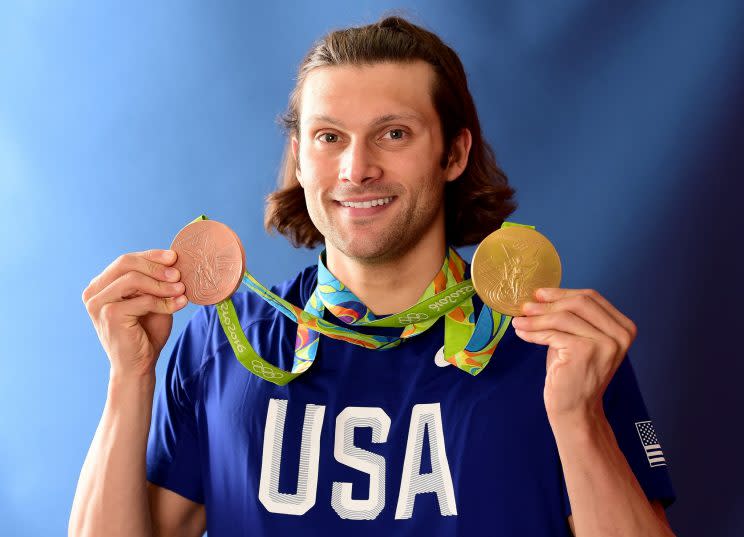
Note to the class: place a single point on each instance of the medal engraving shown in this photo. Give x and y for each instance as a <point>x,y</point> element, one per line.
<point>211,260</point>
<point>510,264</point>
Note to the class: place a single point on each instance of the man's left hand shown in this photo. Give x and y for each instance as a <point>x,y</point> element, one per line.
<point>588,338</point>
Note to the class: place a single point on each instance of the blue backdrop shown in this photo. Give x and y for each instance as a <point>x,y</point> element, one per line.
<point>621,129</point>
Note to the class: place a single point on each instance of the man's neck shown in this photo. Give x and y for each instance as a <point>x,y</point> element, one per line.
<point>387,288</point>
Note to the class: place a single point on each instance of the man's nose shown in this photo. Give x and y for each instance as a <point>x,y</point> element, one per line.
<point>358,164</point>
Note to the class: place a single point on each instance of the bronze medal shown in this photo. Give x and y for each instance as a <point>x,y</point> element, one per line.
<point>510,264</point>
<point>211,260</point>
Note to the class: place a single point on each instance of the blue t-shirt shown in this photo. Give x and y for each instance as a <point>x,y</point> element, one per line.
<point>372,443</point>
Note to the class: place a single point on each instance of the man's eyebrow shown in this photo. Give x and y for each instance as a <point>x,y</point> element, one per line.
<point>375,122</point>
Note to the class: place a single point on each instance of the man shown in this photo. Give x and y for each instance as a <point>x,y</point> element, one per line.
<point>386,165</point>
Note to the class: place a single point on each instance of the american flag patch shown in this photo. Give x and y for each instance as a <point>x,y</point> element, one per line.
<point>650,443</point>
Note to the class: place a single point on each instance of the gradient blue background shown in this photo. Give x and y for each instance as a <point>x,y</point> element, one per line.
<point>621,129</point>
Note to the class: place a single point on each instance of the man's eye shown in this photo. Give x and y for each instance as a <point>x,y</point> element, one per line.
<point>397,134</point>
<point>325,137</point>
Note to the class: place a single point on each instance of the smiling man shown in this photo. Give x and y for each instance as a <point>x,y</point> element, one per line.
<point>368,150</point>
<point>383,433</point>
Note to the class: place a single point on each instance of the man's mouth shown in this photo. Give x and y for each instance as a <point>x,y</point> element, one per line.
<point>365,207</point>
<point>366,204</point>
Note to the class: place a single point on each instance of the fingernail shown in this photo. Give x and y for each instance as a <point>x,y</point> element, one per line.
<point>181,300</point>
<point>170,272</point>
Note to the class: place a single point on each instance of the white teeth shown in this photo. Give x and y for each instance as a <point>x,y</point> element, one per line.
<point>366,204</point>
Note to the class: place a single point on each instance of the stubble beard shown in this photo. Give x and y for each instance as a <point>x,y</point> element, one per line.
<point>391,242</point>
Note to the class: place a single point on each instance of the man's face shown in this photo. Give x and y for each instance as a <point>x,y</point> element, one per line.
<point>371,133</point>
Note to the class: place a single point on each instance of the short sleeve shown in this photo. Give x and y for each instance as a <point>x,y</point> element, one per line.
<point>173,459</point>
<point>636,436</point>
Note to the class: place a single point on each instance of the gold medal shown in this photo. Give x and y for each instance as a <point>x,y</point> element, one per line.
<point>510,264</point>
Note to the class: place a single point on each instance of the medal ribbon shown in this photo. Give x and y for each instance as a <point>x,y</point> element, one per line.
<point>468,343</point>
<point>332,294</point>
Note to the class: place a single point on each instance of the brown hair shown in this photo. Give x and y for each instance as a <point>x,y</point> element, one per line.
<point>476,203</point>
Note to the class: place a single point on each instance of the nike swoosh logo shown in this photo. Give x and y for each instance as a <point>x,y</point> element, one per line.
<point>439,358</point>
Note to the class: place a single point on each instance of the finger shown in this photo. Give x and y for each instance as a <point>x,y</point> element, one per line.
<point>555,338</point>
<point>131,285</point>
<point>154,263</point>
<point>584,307</point>
<point>552,294</point>
<point>563,321</point>
<point>118,312</point>
<point>556,327</point>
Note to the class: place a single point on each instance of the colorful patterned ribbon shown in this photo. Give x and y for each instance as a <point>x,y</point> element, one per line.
<point>468,343</point>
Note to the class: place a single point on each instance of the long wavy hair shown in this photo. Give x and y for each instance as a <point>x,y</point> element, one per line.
<point>476,203</point>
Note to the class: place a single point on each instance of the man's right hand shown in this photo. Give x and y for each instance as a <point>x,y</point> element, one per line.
<point>131,304</point>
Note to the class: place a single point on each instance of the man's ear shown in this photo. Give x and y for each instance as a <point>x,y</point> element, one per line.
<point>295,153</point>
<point>459,152</point>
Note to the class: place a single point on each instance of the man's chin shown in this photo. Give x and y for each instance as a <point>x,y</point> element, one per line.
<point>367,249</point>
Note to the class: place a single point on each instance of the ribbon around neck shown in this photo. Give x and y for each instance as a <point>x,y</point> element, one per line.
<point>468,343</point>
